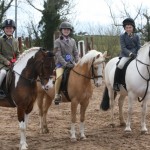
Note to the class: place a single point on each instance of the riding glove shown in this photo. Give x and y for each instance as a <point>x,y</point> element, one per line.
<point>132,55</point>
<point>69,65</point>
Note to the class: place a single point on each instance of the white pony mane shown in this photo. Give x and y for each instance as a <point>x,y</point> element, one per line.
<point>145,46</point>
<point>27,52</point>
<point>89,56</point>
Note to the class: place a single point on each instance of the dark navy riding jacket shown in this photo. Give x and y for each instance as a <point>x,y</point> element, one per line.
<point>129,44</point>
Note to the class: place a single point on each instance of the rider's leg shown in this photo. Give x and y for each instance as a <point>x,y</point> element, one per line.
<point>59,73</point>
<point>2,76</point>
<point>116,85</point>
<point>120,65</point>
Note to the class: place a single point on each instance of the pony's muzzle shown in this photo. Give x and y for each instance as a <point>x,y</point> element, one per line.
<point>48,85</point>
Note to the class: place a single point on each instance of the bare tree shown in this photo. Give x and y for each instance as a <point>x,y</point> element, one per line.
<point>4,6</point>
<point>124,13</point>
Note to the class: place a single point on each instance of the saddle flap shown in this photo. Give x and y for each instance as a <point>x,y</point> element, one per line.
<point>122,73</point>
<point>64,83</point>
<point>7,81</point>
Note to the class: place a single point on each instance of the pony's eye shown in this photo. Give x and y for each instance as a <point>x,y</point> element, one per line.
<point>95,68</point>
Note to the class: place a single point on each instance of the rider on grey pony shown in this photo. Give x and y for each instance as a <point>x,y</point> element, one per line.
<point>130,44</point>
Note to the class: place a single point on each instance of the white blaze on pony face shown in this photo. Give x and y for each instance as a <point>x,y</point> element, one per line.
<point>98,66</point>
<point>49,84</point>
<point>22,62</point>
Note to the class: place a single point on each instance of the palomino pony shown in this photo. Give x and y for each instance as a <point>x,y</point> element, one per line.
<point>137,84</point>
<point>80,90</point>
<point>22,90</point>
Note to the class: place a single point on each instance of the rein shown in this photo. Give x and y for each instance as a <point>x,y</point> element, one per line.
<point>33,79</point>
<point>147,80</point>
<point>93,74</point>
<point>28,79</point>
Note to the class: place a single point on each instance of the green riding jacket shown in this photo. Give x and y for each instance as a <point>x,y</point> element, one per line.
<point>8,50</point>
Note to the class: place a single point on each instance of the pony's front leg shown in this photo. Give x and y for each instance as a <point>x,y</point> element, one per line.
<point>46,105</point>
<point>22,125</point>
<point>74,105</point>
<point>111,95</point>
<point>143,120</point>
<point>131,97</point>
<point>82,117</point>
<point>121,115</point>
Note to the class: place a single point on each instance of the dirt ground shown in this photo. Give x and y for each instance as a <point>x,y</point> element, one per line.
<point>100,135</point>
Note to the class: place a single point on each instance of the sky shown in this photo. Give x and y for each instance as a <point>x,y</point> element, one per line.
<point>86,14</point>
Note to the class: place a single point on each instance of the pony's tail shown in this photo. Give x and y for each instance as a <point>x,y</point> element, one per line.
<point>105,105</point>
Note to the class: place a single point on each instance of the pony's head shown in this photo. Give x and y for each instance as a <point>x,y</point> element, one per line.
<point>34,63</point>
<point>45,59</point>
<point>98,67</point>
<point>96,62</point>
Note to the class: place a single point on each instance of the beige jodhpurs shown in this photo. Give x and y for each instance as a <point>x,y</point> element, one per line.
<point>59,73</point>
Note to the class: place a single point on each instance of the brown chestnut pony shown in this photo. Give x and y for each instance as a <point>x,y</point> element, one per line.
<point>34,64</point>
<point>79,89</point>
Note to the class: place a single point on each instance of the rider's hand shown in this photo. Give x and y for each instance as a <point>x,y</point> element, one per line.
<point>132,55</point>
<point>69,65</point>
<point>8,63</point>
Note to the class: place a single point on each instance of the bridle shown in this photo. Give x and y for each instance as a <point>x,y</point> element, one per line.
<point>40,79</point>
<point>92,70</point>
<point>147,80</point>
<point>42,74</point>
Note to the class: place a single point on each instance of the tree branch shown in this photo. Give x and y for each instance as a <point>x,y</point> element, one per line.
<point>34,6</point>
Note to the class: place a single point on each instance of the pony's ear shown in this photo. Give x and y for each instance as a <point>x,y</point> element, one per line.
<point>105,54</point>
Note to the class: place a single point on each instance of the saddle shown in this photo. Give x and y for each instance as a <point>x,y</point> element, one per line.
<point>122,73</point>
<point>64,83</point>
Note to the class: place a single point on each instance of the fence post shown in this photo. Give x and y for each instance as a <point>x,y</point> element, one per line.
<point>81,48</point>
<point>92,43</point>
<point>27,42</point>
<point>20,44</point>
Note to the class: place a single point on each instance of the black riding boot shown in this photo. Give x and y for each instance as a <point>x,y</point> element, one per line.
<point>2,94</point>
<point>116,85</point>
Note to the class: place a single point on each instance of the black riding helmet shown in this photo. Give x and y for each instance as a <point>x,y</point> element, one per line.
<point>128,21</point>
<point>9,23</point>
<point>65,25</point>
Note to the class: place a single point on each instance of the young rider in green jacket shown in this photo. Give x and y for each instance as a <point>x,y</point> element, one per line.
<point>8,50</point>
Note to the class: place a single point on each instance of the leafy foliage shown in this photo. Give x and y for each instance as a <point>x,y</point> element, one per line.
<point>50,20</point>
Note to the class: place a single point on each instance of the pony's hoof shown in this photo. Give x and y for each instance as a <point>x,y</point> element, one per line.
<point>73,140</point>
<point>112,125</point>
<point>127,129</point>
<point>44,131</point>
<point>83,138</point>
<point>127,132</point>
<point>24,146</point>
<point>144,132</point>
<point>122,124</point>
<point>56,103</point>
